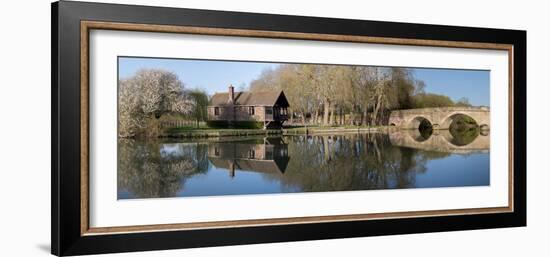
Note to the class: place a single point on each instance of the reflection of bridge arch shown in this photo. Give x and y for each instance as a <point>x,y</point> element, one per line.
<point>416,121</point>
<point>440,118</point>
<point>441,141</point>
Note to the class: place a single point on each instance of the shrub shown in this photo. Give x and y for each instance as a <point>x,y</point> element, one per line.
<point>235,124</point>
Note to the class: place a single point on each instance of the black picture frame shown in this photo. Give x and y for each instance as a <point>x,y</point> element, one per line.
<point>66,234</point>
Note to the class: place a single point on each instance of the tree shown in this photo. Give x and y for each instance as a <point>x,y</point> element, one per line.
<point>432,100</point>
<point>242,87</point>
<point>145,97</point>
<point>336,90</point>
<point>420,87</point>
<point>200,100</point>
<point>463,101</point>
<point>403,86</point>
<point>268,80</point>
<point>295,81</point>
<point>382,92</point>
<point>362,86</point>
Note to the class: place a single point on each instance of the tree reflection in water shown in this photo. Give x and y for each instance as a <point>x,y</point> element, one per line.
<point>464,136</point>
<point>151,169</point>
<point>320,163</point>
<point>351,162</point>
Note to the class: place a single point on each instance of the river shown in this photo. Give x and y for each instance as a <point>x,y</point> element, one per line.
<point>290,164</point>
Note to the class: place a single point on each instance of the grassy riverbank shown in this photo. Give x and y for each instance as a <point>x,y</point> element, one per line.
<point>190,132</point>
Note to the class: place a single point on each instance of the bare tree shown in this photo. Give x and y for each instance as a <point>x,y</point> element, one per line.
<point>145,97</point>
<point>324,92</point>
<point>463,101</point>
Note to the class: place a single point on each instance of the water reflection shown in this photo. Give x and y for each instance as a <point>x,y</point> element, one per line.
<point>450,141</point>
<point>152,169</point>
<point>300,164</point>
<point>267,155</point>
<point>464,136</point>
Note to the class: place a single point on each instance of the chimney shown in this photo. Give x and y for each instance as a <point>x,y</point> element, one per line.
<point>231,94</point>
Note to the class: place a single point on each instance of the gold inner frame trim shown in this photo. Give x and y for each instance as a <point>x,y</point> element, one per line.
<point>86,26</point>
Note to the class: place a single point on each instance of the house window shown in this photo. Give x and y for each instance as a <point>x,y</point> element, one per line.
<point>268,111</point>
<point>216,111</point>
<point>251,154</point>
<point>251,110</point>
<point>216,151</point>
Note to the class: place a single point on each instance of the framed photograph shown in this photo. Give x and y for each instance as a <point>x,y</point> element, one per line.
<point>177,128</point>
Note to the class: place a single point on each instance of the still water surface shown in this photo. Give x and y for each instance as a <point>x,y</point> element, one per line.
<point>285,164</point>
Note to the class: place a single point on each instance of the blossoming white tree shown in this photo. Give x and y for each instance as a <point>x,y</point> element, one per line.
<point>145,97</point>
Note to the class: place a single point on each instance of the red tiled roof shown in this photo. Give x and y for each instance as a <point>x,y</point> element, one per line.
<point>266,98</point>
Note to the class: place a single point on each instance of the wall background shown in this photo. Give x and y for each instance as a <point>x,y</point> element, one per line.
<point>25,127</point>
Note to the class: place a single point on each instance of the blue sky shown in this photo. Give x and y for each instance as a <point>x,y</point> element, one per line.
<point>472,84</point>
<point>212,76</point>
<point>215,76</point>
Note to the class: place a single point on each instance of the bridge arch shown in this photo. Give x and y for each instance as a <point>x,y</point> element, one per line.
<point>447,121</point>
<point>417,121</point>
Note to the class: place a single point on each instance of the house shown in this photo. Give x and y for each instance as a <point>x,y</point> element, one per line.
<point>244,109</point>
<point>268,155</point>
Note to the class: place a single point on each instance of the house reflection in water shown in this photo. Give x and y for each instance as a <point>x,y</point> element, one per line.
<point>267,155</point>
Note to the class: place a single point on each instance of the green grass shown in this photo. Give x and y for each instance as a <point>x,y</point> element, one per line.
<point>187,129</point>
<point>317,127</point>
<point>204,133</point>
<point>208,131</point>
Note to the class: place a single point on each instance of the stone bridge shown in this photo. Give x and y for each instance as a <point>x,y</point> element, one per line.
<point>439,118</point>
<point>440,141</point>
